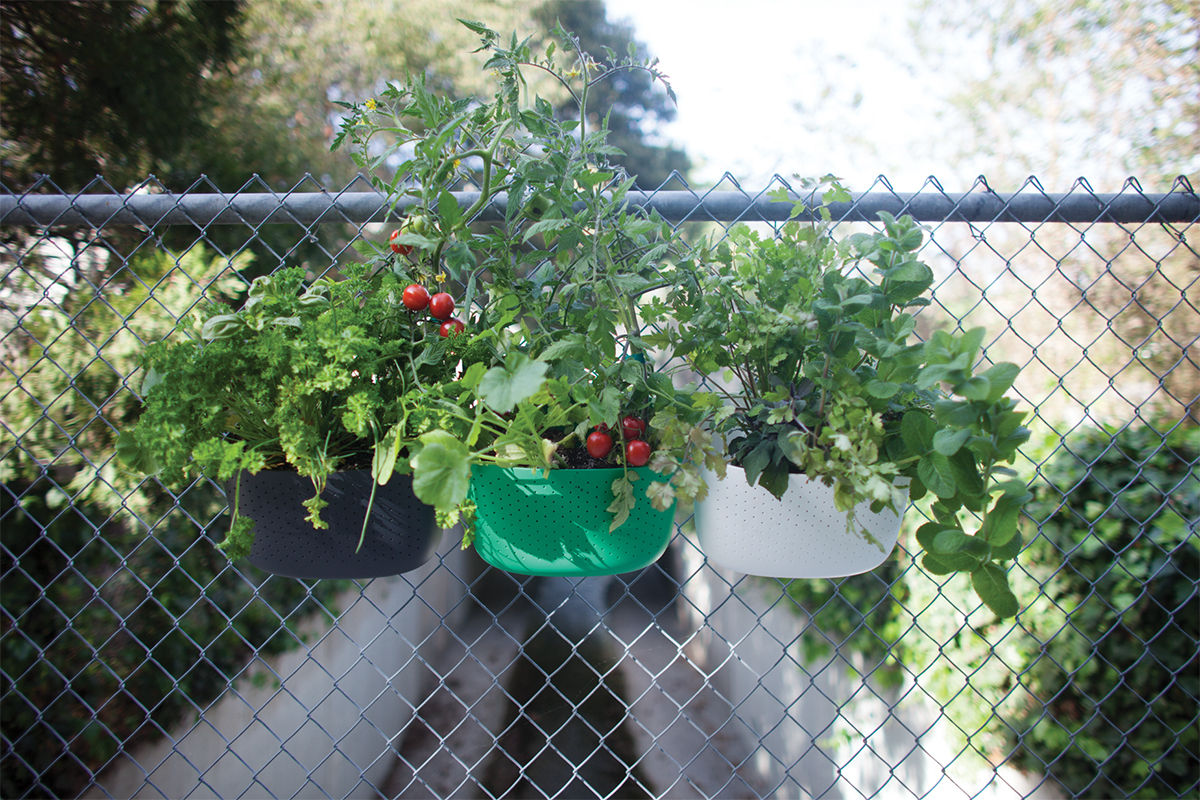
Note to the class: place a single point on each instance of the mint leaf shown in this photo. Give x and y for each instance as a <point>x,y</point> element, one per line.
<point>991,584</point>
<point>947,442</point>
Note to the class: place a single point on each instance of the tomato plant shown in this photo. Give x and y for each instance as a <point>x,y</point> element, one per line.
<point>637,452</point>
<point>599,444</point>
<point>441,306</point>
<point>452,326</point>
<point>415,297</point>
<point>632,428</point>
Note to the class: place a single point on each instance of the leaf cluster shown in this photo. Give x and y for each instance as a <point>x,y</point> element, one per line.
<point>556,285</point>
<point>307,376</point>
<point>314,376</point>
<point>812,343</point>
<point>1116,516</point>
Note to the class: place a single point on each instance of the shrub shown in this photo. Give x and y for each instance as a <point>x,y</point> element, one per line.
<point>1113,679</point>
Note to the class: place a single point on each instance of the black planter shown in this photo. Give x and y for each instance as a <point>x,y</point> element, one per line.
<point>400,537</point>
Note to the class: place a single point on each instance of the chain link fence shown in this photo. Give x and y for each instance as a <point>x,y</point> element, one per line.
<point>139,662</point>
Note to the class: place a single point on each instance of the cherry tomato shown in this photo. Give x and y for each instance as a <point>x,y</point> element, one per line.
<point>632,427</point>
<point>599,444</point>
<point>452,326</point>
<point>402,249</point>
<point>416,297</point>
<point>441,306</point>
<point>637,452</point>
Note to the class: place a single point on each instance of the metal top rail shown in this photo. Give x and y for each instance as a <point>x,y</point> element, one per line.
<point>315,207</point>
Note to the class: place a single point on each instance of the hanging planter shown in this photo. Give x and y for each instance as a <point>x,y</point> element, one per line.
<point>400,535</point>
<point>556,522</point>
<point>745,528</point>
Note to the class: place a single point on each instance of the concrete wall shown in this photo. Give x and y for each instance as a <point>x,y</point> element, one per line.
<point>314,722</point>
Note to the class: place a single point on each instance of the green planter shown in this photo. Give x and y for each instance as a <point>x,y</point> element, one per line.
<point>556,523</point>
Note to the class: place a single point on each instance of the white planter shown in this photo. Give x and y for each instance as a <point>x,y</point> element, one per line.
<point>745,528</point>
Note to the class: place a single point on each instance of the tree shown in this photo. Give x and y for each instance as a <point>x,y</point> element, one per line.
<point>1075,86</point>
<point>1067,88</point>
<point>112,88</point>
<point>635,107</point>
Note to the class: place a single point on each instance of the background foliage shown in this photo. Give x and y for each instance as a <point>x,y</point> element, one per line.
<point>238,89</point>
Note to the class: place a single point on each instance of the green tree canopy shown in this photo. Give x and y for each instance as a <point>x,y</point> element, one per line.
<point>635,105</point>
<point>107,87</point>
<point>233,90</point>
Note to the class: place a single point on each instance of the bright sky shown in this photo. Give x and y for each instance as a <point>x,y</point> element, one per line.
<point>740,67</point>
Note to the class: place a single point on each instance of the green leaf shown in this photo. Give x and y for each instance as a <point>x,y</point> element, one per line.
<point>502,388</point>
<point>966,473</point>
<point>459,258</point>
<point>449,210</point>
<point>971,340</point>
<point>623,501</point>
<point>991,584</point>
<point>937,565</point>
<point>756,461</point>
<point>927,533</point>
<point>852,305</point>
<point>1009,550</point>
<point>441,470</point>
<point>545,225</point>
<point>917,431</point>
<point>220,327</point>
<point>1000,523</point>
<point>386,451</point>
<point>775,478</point>
<point>882,389</point>
<point>938,475</point>
<point>977,388</point>
<point>567,346</point>
<point>950,542</point>
<point>947,442</point>
<point>151,379</point>
<point>1001,377</point>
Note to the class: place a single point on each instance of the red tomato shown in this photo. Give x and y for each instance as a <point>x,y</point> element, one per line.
<point>632,427</point>
<point>599,444</point>
<point>441,306</point>
<point>402,249</point>
<point>637,452</point>
<point>452,326</point>
<point>416,297</point>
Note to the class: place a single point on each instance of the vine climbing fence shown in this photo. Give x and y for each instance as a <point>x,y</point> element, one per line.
<point>138,661</point>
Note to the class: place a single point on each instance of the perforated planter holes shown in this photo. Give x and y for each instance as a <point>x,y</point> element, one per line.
<point>745,528</point>
<point>556,522</point>
<point>400,537</point>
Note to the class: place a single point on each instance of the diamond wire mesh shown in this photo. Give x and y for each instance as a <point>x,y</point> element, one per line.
<point>137,661</point>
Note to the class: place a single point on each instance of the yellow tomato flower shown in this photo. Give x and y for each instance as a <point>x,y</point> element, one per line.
<point>371,104</point>
<point>441,277</point>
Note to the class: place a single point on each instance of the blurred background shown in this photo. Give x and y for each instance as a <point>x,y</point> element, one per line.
<point>956,88</point>
<point>112,638</point>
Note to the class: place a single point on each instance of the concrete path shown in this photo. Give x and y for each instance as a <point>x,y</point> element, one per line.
<point>687,739</point>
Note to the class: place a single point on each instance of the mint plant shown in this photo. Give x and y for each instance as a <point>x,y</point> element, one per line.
<point>822,375</point>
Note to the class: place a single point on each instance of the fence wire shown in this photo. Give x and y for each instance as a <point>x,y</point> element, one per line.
<point>137,661</point>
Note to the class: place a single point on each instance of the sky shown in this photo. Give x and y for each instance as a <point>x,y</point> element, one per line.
<point>748,75</point>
